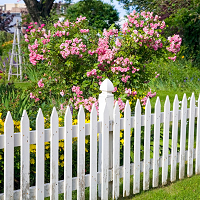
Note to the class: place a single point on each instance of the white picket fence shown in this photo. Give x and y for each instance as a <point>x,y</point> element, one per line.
<point>109,172</point>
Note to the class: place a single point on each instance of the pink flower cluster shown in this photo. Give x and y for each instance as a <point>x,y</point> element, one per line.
<point>129,92</point>
<point>40,84</point>
<point>86,103</point>
<point>125,78</point>
<point>92,73</point>
<point>73,47</point>
<point>149,24</point>
<point>33,56</point>
<point>157,75</point>
<point>121,104</point>
<point>175,43</point>
<point>79,19</point>
<point>34,97</point>
<point>62,93</point>
<point>79,100</point>
<point>77,90</point>
<point>84,30</point>
<point>115,89</point>
<point>149,94</point>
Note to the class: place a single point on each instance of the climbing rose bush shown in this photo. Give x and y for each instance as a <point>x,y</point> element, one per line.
<point>77,59</point>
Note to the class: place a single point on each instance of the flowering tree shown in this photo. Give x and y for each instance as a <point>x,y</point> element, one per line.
<point>78,60</point>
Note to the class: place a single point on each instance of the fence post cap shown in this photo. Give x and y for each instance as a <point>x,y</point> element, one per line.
<point>107,86</point>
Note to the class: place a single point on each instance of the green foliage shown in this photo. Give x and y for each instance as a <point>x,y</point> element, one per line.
<point>99,15</point>
<point>5,42</point>
<point>180,75</point>
<point>186,21</point>
<point>14,100</point>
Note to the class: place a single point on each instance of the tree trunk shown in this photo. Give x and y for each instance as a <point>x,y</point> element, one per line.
<point>39,10</point>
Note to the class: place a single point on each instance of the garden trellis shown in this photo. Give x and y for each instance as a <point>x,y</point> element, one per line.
<point>109,125</point>
<point>16,58</point>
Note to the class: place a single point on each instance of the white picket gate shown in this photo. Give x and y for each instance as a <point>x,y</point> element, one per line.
<point>109,173</point>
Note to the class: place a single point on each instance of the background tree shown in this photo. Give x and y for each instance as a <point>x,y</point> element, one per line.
<point>99,15</point>
<point>40,10</point>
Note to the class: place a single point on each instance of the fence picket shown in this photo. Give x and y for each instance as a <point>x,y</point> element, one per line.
<point>183,137</point>
<point>174,139</point>
<point>54,155</point>
<point>191,137</point>
<point>81,155</point>
<point>197,163</point>
<point>147,132</point>
<point>40,155</point>
<point>116,151</point>
<point>126,163</point>
<point>156,144</point>
<point>8,157</point>
<point>68,155</point>
<point>165,141</point>
<point>25,157</point>
<point>137,132</point>
<point>105,154</point>
<point>93,153</point>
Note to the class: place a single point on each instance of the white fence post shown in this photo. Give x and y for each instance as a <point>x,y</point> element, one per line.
<point>106,97</point>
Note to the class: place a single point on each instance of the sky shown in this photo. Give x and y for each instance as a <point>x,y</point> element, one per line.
<point>118,6</point>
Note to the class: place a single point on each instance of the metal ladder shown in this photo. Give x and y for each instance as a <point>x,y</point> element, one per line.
<point>16,55</point>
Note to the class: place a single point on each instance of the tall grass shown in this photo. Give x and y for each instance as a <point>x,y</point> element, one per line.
<point>178,75</point>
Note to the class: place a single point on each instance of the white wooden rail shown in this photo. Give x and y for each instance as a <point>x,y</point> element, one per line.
<point>107,177</point>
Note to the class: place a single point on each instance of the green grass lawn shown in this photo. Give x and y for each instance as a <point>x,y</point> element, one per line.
<point>189,188</point>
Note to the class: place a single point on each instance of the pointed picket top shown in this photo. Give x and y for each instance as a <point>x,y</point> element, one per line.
<point>176,102</point>
<point>148,103</point>
<point>184,103</point>
<point>167,102</point>
<point>68,113</point>
<point>93,111</point>
<point>157,101</point>
<point>9,119</point>
<point>127,106</point>
<point>81,111</point>
<point>116,108</point>
<point>24,116</point>
<point>54,114</point>
<point>192,100</point>
<point>184,97</point>
<point>25,123</point>
<point>138,107</point>
<point>40,115</point>
<point>107,86</point>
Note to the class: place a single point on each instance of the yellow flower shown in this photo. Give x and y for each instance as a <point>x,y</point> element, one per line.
<point>183,56</point>
<point>130,102</point>
<point>86,141</point>
<point>32,161</point>
<point>75,121</point>
<point>47,155</point>
<point>86,150</point>
<point>62,157</point>
<point>121,134</point>
<point>0,157</point>
<point>61,144</point>
<point>62,164</point>
<point>122,141</point>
